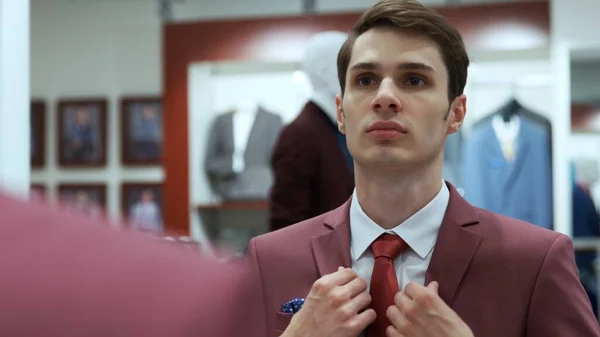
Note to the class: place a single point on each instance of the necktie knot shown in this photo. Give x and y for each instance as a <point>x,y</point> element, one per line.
<point>389,246</point>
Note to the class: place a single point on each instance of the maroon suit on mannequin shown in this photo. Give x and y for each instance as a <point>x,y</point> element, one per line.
<point>63,275</point>
<point>504,277</point>
<point>311,173</point>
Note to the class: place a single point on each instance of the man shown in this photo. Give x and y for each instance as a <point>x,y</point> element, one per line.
<point>63,275</point>
<point>81,136</point>
<point>407,255</point>
<point>311,164</point>
<point>147,134</point>
<point>82,203</point>
<point>145,213</point>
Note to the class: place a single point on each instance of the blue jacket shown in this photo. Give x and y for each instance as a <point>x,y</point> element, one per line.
<point>522,188</point>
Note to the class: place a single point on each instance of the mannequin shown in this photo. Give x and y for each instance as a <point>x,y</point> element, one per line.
<point>243,120</point>
<point>238,151</point>
<point>311,162</point>
<point>322,74</point>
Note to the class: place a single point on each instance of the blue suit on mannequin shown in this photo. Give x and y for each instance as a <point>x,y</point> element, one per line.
<point>520,188</point>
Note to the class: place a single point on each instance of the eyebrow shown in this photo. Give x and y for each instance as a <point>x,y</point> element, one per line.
<point>401,66</point>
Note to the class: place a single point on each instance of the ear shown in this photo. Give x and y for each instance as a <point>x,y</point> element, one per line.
<point>341,118</point>
<point>458,111</point>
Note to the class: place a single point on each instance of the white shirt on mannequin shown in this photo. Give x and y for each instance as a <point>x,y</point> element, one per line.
<point>507,134</point>
<point>420,232</point>
<point>243,120</point>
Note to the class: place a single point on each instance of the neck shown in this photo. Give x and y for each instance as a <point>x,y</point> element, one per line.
<point>390,198</point>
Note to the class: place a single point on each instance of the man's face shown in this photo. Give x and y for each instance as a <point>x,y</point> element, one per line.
<point>147,196</point>
<point>395,111</point>
<point>82,116</point>
<point>148,113</point>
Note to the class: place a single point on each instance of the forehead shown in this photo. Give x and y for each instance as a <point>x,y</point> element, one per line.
<point>389,47</point>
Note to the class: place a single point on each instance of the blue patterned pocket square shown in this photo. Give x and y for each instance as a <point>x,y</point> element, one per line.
<point>292,306</point>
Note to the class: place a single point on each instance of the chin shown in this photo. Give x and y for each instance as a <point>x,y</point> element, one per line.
<point>390,158</point>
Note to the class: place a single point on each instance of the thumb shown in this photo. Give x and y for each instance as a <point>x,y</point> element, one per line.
<point>434,285</point>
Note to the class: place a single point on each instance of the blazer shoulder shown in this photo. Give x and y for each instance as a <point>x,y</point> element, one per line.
<point>298,234</point>
<point>518,235</point>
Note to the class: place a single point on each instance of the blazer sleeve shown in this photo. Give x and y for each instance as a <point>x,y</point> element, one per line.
<point>293,163</point>
<point>216,163</point>
<point>559,305</point>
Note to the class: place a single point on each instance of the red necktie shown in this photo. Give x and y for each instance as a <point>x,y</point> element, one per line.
<point>384,283</point>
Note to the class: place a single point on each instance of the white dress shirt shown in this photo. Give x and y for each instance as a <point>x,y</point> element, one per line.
<point>420,232</point>
<point>507,134</point>
<point>243,120</point>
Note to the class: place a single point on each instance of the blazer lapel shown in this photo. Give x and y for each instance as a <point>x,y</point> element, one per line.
<point>455,247</point>
<point>332,249</point>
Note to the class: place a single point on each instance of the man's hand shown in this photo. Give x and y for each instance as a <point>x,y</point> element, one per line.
<point>420,312</point>
<point>334,307</point>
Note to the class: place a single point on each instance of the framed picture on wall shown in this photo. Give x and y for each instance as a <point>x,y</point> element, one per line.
<point>37,192</point>
<point>142,130</point>
<point>585,117</point>
<point>89,199</point>
<point>37,140</point>
<point>82,132</point>
<point>142,206</point>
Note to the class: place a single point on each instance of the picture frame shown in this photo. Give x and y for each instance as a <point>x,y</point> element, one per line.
<point>82,138</point>
<point>141,130</point>
<point>38,192</point>
<point>585,117</point>
<point>89,199</point>
<point>37,122</point>
<point>142,206</point>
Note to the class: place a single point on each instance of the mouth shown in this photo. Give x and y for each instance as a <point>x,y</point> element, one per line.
<point>386,130</point>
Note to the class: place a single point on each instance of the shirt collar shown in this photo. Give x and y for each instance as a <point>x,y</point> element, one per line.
<point>419,231</point>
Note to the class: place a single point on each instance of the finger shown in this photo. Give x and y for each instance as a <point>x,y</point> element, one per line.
<point>413,290</point>
<point>352,288</point>
<point>330,281</point>
<point>358,303</point>
<point>400,323</point>
<point>360,322</point>
<point>404,303</point>
<point>392,332</point>
<point>434,285</point>
<point>340,268</point>
<point>340,277</point>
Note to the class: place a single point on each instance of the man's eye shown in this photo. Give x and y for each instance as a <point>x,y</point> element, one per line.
<point>365,81</point>
<point>415,81</point>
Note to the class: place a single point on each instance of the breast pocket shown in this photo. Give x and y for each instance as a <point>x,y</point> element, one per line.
<point>282,320</point>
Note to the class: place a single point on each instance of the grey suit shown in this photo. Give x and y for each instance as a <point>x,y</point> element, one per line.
<point>256,179</point>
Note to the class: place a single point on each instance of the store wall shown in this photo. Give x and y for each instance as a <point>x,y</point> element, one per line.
<point>575,21</point>
<point>93,49</point>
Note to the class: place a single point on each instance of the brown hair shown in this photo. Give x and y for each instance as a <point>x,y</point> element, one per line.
<point>411,16</point>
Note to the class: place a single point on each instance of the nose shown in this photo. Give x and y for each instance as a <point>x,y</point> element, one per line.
<point>387,99</point>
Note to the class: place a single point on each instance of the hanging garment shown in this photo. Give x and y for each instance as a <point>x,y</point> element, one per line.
<point>519,187</point>
<point>239,169</point>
